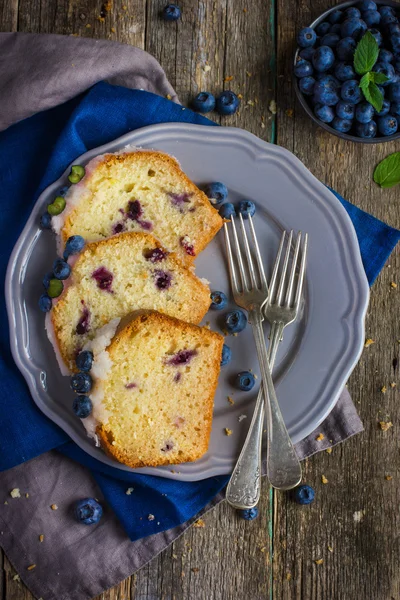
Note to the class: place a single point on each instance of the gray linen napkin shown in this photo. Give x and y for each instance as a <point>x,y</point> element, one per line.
<point>75,562</point>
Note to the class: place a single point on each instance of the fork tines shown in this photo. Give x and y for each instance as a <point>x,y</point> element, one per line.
<point>283,281</point>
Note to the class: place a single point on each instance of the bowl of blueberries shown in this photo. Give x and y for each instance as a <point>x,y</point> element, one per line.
<point>347,70</point>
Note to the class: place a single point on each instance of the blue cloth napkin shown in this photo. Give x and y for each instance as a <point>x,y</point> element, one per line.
<point>33,154</point>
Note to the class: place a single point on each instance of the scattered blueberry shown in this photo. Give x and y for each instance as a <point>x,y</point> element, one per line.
<point>307,53</point>
<point>218,300</point>
<point>235,321</point>
<point>227,103</point>
<point>63,190</point>
<point>88,511</point>
<point>245,381</point>
<point>303,68</point>
<point>84,361</point>
<point>226,355</point>
<point>344,71</point>
<point>55,288</point>
<point>227,210</point>
<point>45,303</point>
<point>81,383</point>
<point>323,58</point>
<point>385,56</point>
<point>45,221</point>
<point>171,12</point>
<point>335,17</point>
<point>217,192</point>
<point>345,49</point>
<point>371,18</point>
<point>306,37</point>
<point>345,110</point>
<point>366,130</point>
<point>324,113</point>
<point>246,208</point>
<point>203,103</point>
<point>330,39</point>
<point>387,125</point>
<point>351,92</point>
<point>385,108</point>
<point>364,112</point>
<point>342,125</point>
<point>82,406</point>
<point>352,13</point>
<point>61,269</point>
<point>322,28</point>
<point>304,494</point>
<point>249,514</point>
<point>74,245</point>
<point>46,280</point>
<point>306,85</point>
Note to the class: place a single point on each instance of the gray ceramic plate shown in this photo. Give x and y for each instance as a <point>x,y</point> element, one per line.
<point>319,351</point>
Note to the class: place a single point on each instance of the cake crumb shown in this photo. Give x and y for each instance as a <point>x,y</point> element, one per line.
<point>384,389</point>
<point>168,97</point>
<point>17,578</point>
<point>369,342</point>
<point>228,431</point>
<point>388,477</point>
<point>289,112</point>
<point>288,576</point>
<point>228,78</point>
<point>199,523</point>
<point>330,548</point>
<point>324,479</point>
<point>150,517</point>
<point>113,30</point>
<point>393,384</point>
<point>206,68</point>
<point>272,107</point>
<point>15,493</point>
<point>320,437</point>
<point>241,417</point>
<point>31,567</point>
<point>88,25</point>
<point>195,569</point>
<point>26,495</point>
<point>53,506</point>
<point>6,502</point>
<point>240,96</point>
<point>231,400</point>
<point>174,556</point>
<point>41,537</point>
<point>358,516</point>
<point>319,561</point>
<point>393,285</point>
<point>385,425</point>
<point>129,491</point>
<point>329,450</point>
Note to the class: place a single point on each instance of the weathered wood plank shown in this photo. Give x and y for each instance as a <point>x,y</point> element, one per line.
<point>9,15</point>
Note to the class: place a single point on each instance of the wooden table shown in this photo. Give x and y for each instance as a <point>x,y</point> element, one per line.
<point>248,46</point>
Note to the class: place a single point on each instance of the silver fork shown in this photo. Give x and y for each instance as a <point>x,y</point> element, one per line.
<point>283,467</point>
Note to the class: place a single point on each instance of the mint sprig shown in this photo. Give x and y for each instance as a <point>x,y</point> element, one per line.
<point>365,57</point>
<point>387,172</point>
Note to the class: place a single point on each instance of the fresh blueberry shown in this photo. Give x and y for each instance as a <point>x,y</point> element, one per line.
<point>325,94</point>
<point>395,109</point>
<point>377,35</point>
<point>371,18</point>
<point>46,280</point>
<point>394,28</point>
<point>328,81</point>
<point>387,69</point>
<point>352,13</point>
<point>345,49</point>
<point>81,383</point>
<point>381,89</point>
<point>344,71</point>
<point>226,355</point>
<point>306,37</point>
<point>88,511</point>
<point>323,58</point>
<point>364,112</point>
<point>397,64</point>
<point>366,130</point>
<point>246,208</point>
<point>303,68</point>
<point>387,19</point>
<point>84,361</point>
<point>330,39</point>
<point>322,28</point>
<point>306,85</point>
<point>324,113</point>
<point>385,56</point>
<point>55,288</point>
<point>235,321</point>
<point>204,103</point>
<point>353,27</point>
<point>248,514</point>
<point>394,92</point>
<point>227,210</point>
<point>218,300</point>
<point>45,221</point>
<point>74,245</point>
<point>335,17</point>
<point>245,381</point>
<point>385,108</point>
<point>307,53</point>
<point>386,10</point>
<point>342,125</point>
<point>63,190</point>
<point>367,5</point>
<point>345,110</point>
<point>395,42</point>
<point>227,103</point>
<point>335,29</point>
<point>387,125</point>
<point>82,406</point>
<point>45,303</point>
<point>303,494</point>
<point>351,92</point>
<point>61,269</point>
<point>217,192</point>
<point>171,12</point>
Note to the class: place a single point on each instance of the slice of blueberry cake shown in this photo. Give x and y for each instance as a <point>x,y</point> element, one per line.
<point>153,390</point>
<point>114,277</point>
<point>139,191</point>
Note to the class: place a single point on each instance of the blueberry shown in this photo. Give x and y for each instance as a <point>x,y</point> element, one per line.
<point>323,58</point>
<point>81,383</point>
<point>335,29</point>
<point>303,68</point>
<point>366,130</point>
<point>171,12</point>
<point>342,125</point>
<point>344,71</point>
<point>352,13</point>
<point>394,92</point>
<point>367,5</point>
<point>386,10</point>
<point>226,355</point>
<point>306,85</point>
<point>394,28</point>
<point>330,39</point>
<point>303,494</point>
<point>246,208</point>
<point>324,113</point>
<point>227,103</point>
<point>235,321</point>
<point>61,269</point>
<point>387,69</point>
<point>364,112</point>
<point>322,28</point>
<point>84,360</point>
<point>63,190</point>
<point>395,43</point>
<point>74,245</point>
<point>217,192</point>
<point>377,35</point>
<point>306,37</point>
<point>350,91</point>
<point>88,511</point>
<point>387,125</point>
<point>397,64</point>
<point>218,300</point>
<point>387,19</point>
<point>245,381</point>
<point>227,210</point>
<point>46,280</point>
<point>385,108</point>
<point>371,18</point>
<point>82,406</point>
<point>55,288</point>
<point>385,56</point>
<point>325,94</point>
<point>328,81</point>
<point>249,514</point>
<point>395,109</point>
<point>345,110</point>
<point>335,17</point>
<point>353,27</point>
<point>45,221</point>
<point>45,303</point>
<point>306,53</point>
<point>204,103</point>
<point>345,49</point>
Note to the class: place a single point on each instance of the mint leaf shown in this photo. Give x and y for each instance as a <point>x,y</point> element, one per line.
<point>387,173</point>
<point>366,54</point>
<point>373,95</point>
<point>378,77</point>
<point>365,81</point>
